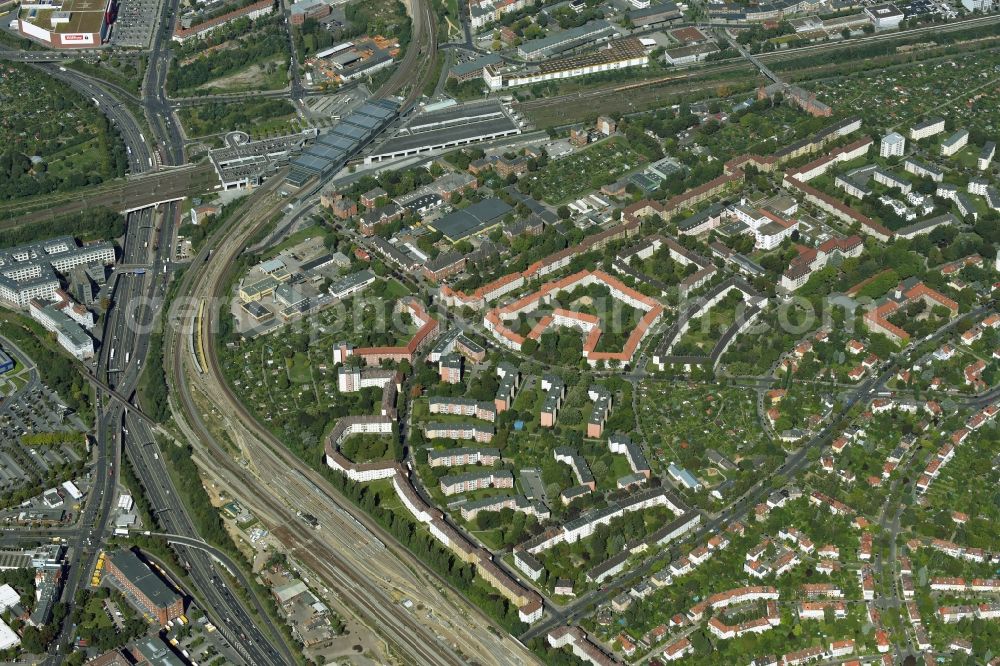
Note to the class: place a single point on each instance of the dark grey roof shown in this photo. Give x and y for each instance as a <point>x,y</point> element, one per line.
<point>477,129</point>
<point>143,578</point>
<point>337,141</point>
<point>443,260</point>
<point>351,131</point>
<point>928,224</point>
<point>477,64</point>
<point>654,10</point>
<point>363,121</point>
<point>376,111</point>
<point>468,221</point>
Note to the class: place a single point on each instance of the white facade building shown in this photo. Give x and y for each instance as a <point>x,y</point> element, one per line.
<point>986,157</point>
<point>29,271</point>
<point>69,334</point>
<point>892,145</point>
<point>927,128</point>
<point>955,143</point>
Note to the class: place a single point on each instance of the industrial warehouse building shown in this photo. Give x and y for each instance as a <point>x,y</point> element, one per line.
<point>454,126</point>
<point>618,54</point>
<point>559,42</point>
<point>332,151</point>
<point>475,219</point>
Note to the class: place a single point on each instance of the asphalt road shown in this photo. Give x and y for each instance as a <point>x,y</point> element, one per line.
<point>159,114</point>
<point>92,528</point>
<point>132,331</point>
<point>282,483</point>
<point>136,295</point>
<point>139,155</point>
<point>126,343</point>
<point>793,465</point>
<point>225,608</point>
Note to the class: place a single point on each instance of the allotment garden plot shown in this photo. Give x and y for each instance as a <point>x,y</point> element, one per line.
<point>565,179</point>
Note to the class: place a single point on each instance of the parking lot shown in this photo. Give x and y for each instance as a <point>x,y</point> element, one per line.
<point>923,7</point>
<point>36,410</point>
<point>40,438</point>
<point>134,27</point>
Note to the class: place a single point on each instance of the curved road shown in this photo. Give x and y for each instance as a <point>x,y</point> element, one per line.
<point>355,580</point>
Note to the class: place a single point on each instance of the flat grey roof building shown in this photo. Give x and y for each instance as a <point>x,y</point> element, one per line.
<point>476,65</point>
<point>535,49</point>
<point>469,221</point>
<point>143,578</point>
<point>451,127</point>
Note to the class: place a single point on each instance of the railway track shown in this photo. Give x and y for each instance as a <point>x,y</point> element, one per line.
<point>738,64</point>
<point>274,462</point>
<point>418,59</point>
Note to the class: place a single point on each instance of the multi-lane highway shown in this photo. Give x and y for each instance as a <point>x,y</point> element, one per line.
<point>136,298</point>
<point>139,154</point>
<point>92,527</point>
<point>159,114</point>
<point>224,607</point>
<point>134,294</point>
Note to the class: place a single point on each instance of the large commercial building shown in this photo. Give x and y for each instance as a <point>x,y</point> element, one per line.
<point>655,15</point>
<point>67,24</point>
<point>559,42</point>
<point>143,585</point>
<point>690,53</point>
<point>473,69</point>
<point>618,54</point>
<point>29,271</point>
<point>308,9</point>
<point>476,219</point>
<point>884,17</point>
<point>64,320</point>
<point>452,127</point>
<point>248,164</point>
<point>153,651</point>
<point>332,150</point>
